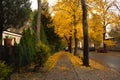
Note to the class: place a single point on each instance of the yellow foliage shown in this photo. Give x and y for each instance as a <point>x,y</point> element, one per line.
<point>101,16</point>
<point>79,30</point>
<point>67,18</point>
<point>95,28</point>
<point>43,12</point>
<point>110,42</point>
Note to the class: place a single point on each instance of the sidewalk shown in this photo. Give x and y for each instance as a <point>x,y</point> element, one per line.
<point>65,70</point>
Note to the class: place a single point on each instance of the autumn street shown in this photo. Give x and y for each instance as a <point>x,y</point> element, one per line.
<point>110,59</point>
<point>65,68</point>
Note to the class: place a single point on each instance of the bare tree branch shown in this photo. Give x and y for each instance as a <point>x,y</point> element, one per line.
<point>117,6</point>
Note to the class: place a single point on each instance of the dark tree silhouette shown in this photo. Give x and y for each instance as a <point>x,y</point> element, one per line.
<point>85,33</point>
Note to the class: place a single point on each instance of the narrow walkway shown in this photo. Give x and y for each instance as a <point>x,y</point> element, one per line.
<point>63,70</point>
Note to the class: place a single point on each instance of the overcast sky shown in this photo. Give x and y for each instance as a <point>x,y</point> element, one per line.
<point>34,3</point>
<point>52,2</point>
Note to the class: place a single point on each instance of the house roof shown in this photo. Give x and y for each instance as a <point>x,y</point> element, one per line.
<point>109,38</point>
<point>12,33</point>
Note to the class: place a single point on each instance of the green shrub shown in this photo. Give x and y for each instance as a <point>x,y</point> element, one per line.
<point>26,48</point>
<point>42,54</point>
<point>4,70</point>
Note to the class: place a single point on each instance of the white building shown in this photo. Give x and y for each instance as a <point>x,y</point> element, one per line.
<point>15,37</point>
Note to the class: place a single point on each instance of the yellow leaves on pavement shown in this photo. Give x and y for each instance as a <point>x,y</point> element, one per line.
<point>76,61</point>
<point>63,68</point>
<point>52,60</point>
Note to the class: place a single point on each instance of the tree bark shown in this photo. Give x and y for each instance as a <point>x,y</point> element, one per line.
<point>70,44</point>
<point>75,35</point>
<point>38,21</point>
<point>76,42</point>
<point>104,45</point>
<point>85,33</point>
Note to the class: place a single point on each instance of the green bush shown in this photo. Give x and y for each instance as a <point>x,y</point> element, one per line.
<point>26,48</point>
<point>42,54</point>
<point>4,70</point>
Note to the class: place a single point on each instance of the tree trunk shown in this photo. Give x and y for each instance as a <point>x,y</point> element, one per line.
<point>76,42</point>
<point>85,33</point>
<point>38,21</point>
<point>70,44</point>
<point>104,45</point>
<point>75,35</point>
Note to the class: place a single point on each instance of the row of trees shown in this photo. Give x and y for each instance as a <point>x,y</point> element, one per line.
<point>70,22</point>
<point>68,25</point>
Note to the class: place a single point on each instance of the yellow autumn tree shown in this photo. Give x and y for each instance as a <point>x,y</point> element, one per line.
<point>67,20</point>
<point>105,15</point>
<point>95,29</point>
<point>115,29</point>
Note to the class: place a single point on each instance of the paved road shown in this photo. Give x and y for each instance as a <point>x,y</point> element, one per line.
<point>110,59</point>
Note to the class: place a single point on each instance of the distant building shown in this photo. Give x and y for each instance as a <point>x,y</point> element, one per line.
<point>15,37</point>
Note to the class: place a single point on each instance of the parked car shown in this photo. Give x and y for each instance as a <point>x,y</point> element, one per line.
<point>101,50</point>
<point>92,49</point>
